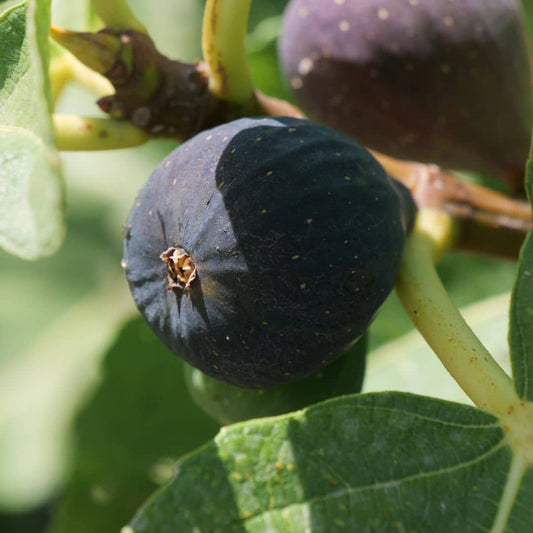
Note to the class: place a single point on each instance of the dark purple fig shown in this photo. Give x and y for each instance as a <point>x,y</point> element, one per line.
<point>260,250</point>
<point>446,82</point>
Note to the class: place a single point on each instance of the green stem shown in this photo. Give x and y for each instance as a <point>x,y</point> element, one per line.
<point>85,133</point>
<point>88,78</point>
<point>60,73</point>
<point>223,45</point>
<point>65,68</point>
<point>117,14</point>
<point>438,320</point>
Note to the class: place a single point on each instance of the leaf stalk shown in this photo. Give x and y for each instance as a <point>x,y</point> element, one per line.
<point>74,132</point>
<point>439,321</point>
<point>224,50</point>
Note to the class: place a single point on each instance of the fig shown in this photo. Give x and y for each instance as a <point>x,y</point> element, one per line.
<point>433,81</point>
<point>261,249</point>
<point>228,404</point>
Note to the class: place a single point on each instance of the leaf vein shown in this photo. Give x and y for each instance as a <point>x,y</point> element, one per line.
<point>351,490</point>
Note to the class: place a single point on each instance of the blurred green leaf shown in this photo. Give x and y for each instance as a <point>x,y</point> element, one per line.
<point>31,203</point>
<point>264,33</point>
<point>41,390</point>
<point>263,10</point>
<point>467,279</point>
<point>408,364</point>
<point>33,521</point>
<point>139,421</point>
<point>6,4</point>
<point>521,326</point>
<point>265,19</point>
<point>71,15</point>
<point>528,15</point>
<point>36,295</point>
<point>31,208</point>
<point>176,27</point>
<point>376,462</point>
<point>266,73</point>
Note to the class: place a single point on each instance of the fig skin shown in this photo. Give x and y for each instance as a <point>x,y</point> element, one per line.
<point>296,234</point>
<point>228,404</point>
<point>433,81</point>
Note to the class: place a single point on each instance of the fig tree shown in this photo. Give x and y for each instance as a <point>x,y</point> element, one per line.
<point>428,80</point>
<point>260,250</point>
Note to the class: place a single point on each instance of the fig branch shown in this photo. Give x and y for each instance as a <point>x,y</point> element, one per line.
<point>438,320</point>
<point>65,68</point>
<point>490,222</point>
<point>60,73</point>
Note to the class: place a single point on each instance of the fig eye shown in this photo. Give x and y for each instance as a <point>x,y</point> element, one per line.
<point>181,270</point>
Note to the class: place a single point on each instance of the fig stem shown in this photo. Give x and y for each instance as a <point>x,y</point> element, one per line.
<point>410,172</point>
<point>60,73</point>
<point>91,80</point>
<point>490,222</point>
<point>64,67</point>
<point>224,50</point>
<point>117,14</point>
<point>74,132</point>
<point>437,318</point>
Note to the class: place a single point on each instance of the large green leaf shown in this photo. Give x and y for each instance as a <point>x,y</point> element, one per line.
<point>374,462</point>
<point>6,4</point>
<point>521,325</point>
<point>31,199</point>
<point>139,421</point>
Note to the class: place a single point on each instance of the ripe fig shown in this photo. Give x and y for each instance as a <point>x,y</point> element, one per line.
<point>228,404</point>
<point>428,80</point>
<point>260,250</point>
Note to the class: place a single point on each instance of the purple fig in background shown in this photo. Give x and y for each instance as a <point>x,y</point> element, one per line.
<point>446,82</point>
